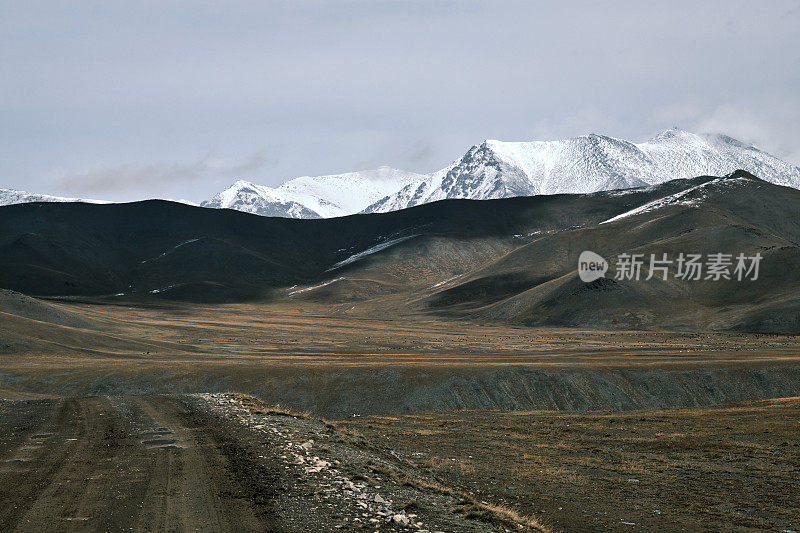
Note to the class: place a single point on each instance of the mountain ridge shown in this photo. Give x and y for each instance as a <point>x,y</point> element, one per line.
<point>314,196</point>
<point>501,169</point>
<point>14,196</point>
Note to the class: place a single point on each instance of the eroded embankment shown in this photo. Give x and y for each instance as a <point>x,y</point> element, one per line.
<point>341,393</point>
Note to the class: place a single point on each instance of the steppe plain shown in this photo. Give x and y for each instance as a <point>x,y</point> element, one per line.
<point>497,427</point>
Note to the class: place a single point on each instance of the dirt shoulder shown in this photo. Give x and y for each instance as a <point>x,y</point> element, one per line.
<point>335,480</point>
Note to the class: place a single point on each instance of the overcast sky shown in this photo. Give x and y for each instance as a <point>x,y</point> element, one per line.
<point>131,100</point>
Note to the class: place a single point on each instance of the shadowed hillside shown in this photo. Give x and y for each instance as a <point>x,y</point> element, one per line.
<point>536,284</point>
<point>510,260</point>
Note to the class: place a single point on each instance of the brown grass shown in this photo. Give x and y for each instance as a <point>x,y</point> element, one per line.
<point>722,468</point>
<point>290,333</point>
<point>498,515</point>
<point>259,407</point>
<point>467,504</point>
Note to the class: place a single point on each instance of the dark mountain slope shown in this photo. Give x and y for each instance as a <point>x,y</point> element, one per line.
<point>195,253</point>
<point>510,260</point>
<point>729,216</point>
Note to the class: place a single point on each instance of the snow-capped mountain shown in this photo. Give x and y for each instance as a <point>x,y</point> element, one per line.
<point>495,169</point>
<point>13,196</point>
<point>315,197</point>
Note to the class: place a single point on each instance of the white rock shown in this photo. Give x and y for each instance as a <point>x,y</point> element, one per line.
<point>400,519</point>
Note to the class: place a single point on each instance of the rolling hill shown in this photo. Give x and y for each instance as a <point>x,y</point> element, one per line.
<point>508,260</point>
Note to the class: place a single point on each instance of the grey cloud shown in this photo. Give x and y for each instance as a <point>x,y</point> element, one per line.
<point>109,94</point>
<point>252,164</point>
<point>767,124</point>
<point>419,155</point>
<point>126,178</point>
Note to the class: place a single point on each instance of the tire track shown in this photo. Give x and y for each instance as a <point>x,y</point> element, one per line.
<point>121,463</point>
<point>26,481</point>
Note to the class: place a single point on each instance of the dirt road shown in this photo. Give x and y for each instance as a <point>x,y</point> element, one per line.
<point>207,463</point>
<point>111,464</point>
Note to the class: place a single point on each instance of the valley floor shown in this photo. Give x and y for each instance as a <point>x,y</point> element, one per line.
<point>228,462</point>
<point>117,416</point>
<point>337,365</point>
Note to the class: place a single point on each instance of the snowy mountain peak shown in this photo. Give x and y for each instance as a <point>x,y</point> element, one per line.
<point>315,197</point>
<point>590,163</point>
<point>671,133</point>
<point>242,184</point>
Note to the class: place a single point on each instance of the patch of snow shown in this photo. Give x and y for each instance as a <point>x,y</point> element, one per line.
<point>299,291</point>
<point>443,282</point>
<point>371,250</point>
<point>679,198</point>
<point>170,250</point>
<point>168,287</point>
